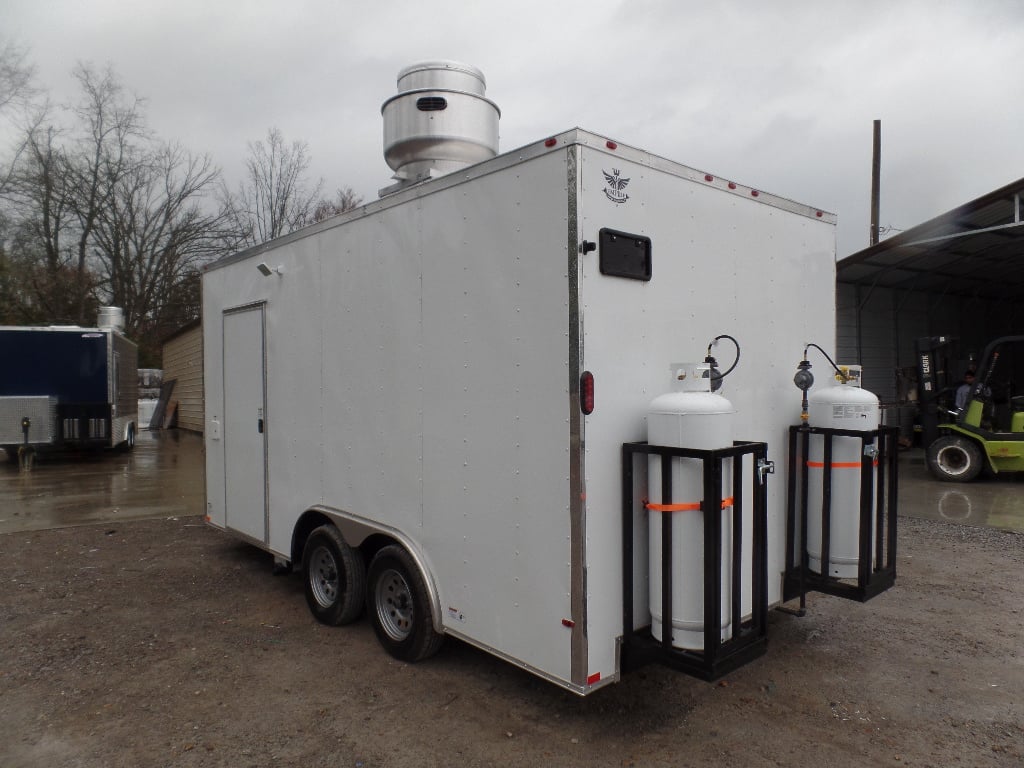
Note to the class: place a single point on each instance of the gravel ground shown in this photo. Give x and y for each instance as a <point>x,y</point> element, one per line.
<point>165,642</point>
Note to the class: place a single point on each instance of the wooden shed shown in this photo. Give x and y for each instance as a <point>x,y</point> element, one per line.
<point>183,365</point>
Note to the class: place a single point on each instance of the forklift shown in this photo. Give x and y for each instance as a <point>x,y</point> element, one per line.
<point>987,433</point>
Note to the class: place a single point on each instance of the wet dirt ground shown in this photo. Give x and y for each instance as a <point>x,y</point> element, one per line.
<point>149,642</point>
<point>993,502</point>
<point>161,477</point>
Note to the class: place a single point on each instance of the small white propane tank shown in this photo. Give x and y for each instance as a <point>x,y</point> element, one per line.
<point>690,416</point>
<point>844,405</point>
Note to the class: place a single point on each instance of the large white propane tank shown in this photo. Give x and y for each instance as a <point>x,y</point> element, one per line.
<point>690,416</point>
<point>844,405</point>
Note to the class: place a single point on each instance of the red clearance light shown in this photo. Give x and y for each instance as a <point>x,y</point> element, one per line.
<point>708,177</point>
<point>550,142</point>
<point>587,392</point>
<point>754,193</point>
<point>819,214</point>
<point>732,185</point>
<point>611,145</point>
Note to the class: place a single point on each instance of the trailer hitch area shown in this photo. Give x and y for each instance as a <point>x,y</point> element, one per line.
<point>25,452</point>
<point>764,467</point>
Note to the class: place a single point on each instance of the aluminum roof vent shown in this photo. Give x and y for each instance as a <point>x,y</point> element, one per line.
<point>438,122</point>
<point>111,317</point>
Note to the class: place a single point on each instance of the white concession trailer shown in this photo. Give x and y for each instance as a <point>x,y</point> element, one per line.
<point>423,403</point>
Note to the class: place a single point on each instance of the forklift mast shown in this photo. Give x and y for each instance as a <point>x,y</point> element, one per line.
<point>932,380</point>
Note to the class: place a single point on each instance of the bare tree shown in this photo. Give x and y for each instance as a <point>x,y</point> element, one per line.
<point>276,198</point>
<point>152,236</point>
<point>345,199</point>
<point>16,75</point>
<point>40,263</point>
<point>16,92</point>
<point>57,190</point>
<point>101,212</point>
<point>104,155</point>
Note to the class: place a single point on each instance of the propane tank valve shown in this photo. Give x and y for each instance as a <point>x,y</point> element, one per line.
<point>804,379</point>
<point>713,373</point>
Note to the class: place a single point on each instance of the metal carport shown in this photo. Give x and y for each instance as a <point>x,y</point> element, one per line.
<point>960,274</point>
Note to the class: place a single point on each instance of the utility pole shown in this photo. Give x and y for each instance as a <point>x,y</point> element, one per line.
<point>876,167</point>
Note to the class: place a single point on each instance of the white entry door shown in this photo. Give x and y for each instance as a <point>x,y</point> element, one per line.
<point>245,444</point>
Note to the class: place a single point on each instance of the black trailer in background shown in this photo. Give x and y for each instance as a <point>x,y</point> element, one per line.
<point>67,387</point>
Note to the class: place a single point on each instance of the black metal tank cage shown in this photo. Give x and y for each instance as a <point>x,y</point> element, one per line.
<point>876,565</point>
<point>747,640</point>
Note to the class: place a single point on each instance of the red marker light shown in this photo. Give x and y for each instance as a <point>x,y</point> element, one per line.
<point>754,193</point>
<point>708,177</point>
<point>819,214</point>
<point>732,185</point>
<point>587,392</point>
<point>550,142</point>
<point>611,145</point>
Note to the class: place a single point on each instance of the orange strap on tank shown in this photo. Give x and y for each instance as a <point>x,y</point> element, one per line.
<point>839,464</point>
<point>691,507</point>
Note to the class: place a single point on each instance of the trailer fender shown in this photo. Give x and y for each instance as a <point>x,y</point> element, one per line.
<point>356,531</point>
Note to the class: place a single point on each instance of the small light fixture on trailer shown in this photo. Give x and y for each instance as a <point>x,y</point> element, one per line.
<point>267,271</point>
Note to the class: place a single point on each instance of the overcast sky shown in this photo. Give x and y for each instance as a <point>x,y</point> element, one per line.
<point>776,94</point>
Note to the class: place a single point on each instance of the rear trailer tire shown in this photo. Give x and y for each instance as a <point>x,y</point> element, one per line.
<point>955,459</point>
<point>335,577</point>
<point>399,606</point>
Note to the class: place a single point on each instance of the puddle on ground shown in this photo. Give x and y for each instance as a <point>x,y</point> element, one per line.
<point>161,477</point>
<point>992,502</point>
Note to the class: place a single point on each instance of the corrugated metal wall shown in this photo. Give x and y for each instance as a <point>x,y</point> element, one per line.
<point>183,361</point>
<point>866,335</point>
<point>877,328</point>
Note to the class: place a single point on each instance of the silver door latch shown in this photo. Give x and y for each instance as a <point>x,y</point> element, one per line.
<point>764,467</point>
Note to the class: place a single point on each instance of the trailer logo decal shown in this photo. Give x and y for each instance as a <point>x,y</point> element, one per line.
<point>615,186</point>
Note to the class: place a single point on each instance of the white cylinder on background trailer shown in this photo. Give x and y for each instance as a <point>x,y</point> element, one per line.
<point>690,416</point>
<point>843,405</point>
<point>110,317</point>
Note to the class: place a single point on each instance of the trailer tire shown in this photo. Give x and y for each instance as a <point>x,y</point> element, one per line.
<point>399,606</point>
<point>955,459</point>
<point>335,577</point>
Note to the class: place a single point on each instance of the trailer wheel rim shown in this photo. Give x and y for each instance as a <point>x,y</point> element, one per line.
<point>323,577</point>
<point>953,460</point>
<point>394,602</point>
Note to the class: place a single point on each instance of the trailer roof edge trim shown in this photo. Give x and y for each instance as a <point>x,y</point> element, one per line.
<point>546,145</point>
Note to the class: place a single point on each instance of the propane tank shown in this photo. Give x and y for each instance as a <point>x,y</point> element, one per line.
<point>844,405</point>
<point>690,416</point>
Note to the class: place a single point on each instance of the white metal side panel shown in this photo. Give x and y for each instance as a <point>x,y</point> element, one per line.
<point>496,402</point>
<point>722,263</point>
<point>372,360</point>
<point>295,389</point>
